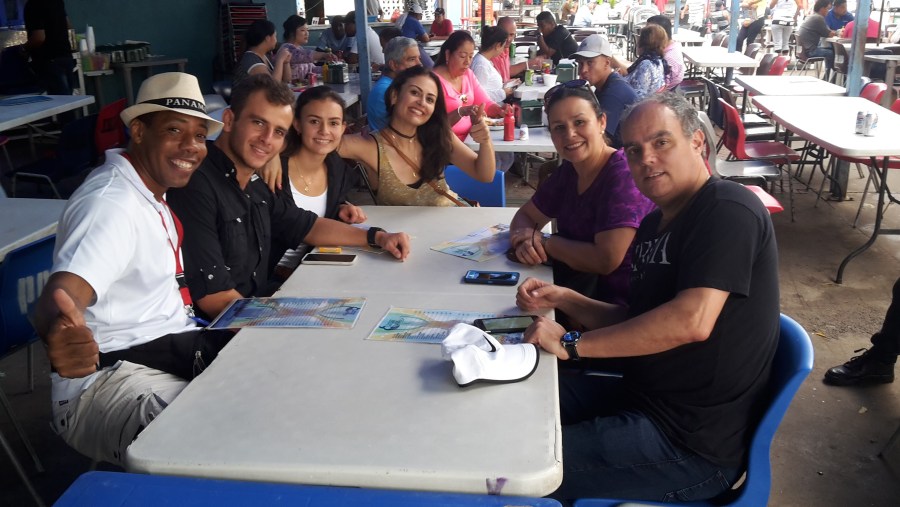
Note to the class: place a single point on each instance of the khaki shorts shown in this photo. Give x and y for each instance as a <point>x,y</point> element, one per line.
<point>103,421</point>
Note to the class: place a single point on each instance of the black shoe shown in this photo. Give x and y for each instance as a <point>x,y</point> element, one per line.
<point>861,370</point>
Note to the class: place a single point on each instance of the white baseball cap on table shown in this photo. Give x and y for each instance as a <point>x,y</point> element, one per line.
<point>479,357</point>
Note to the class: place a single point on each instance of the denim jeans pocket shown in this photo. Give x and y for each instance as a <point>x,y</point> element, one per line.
<point>703,490</point>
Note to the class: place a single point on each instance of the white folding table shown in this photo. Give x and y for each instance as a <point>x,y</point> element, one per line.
<point>538,142</point>
<point>786,85</point>
<point>27,220</point>
<point>710,57</point>
<point>890,73</point>
<point>830,122</point>
<point>329,407</point>
<point>23,114</point>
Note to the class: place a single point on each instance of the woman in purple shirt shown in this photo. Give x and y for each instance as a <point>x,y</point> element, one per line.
<point>593,198</point>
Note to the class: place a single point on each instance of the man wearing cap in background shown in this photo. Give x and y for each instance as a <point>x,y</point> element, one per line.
<point>672,55</point>
<point>595,65</point>
<point>335,38</point>
<point>400,54</point>
<point>411,24</point>
<point>554,40</point>
<point>230,215</point>
<point>441,27</point>
<point>376,55</point>
<point>115,314</point>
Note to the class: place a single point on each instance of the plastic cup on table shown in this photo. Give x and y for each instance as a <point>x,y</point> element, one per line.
<point>550,79</point>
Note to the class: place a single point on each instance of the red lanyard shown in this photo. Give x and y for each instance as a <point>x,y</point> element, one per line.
<point>176,251</point>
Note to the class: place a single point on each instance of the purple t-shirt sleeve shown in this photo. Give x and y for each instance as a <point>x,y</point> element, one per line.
<point>611,202</point>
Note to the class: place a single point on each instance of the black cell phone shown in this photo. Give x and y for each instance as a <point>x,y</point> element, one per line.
<point>512,324</point>
<point>330,259</point>
<point>491,277</point>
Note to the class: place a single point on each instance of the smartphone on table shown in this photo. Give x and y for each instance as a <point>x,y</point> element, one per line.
<point>329,259</point>
<point>491,277</point>
<point>511,324</point>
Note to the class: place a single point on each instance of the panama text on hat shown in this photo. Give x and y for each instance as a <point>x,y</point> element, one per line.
<point>171,91</point>
<point>594,45</point>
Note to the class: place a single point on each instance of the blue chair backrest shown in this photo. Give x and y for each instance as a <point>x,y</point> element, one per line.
<point>23,274</point>
<point>487,194</point>
<point>791,365</point>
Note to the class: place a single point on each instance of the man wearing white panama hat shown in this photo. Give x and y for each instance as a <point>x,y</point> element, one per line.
<point>115,314</point>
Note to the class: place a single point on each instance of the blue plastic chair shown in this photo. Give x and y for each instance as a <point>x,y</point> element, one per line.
<point>23,274</point>
<point>792,363</point>
<point>487,194</point>
<point>99,489</point>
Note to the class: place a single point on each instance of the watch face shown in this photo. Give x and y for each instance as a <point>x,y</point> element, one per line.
<point>571,337</point>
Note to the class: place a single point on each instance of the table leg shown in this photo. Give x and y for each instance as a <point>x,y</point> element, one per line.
<point>744,106</point>
<point>129,86</point>
<point>98,90</point>
<point>889,76</point>
<point>879,214</point>
<point>180,67</point>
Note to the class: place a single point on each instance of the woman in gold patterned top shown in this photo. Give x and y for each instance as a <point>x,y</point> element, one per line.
<point>406,159</point>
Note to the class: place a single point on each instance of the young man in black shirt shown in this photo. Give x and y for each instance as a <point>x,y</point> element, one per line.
<point>230,215</point>
<point>696,341</point>
<point>554,40</point>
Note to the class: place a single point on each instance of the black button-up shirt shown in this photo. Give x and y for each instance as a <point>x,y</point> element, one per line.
<point>228,230</point>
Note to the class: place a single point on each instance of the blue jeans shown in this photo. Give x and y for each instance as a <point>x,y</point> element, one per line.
<point>611,451</point>
<point>826,53</point>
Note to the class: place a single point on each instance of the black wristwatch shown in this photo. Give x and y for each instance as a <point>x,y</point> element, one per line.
<point>370,236</point>
<point>569,342</point>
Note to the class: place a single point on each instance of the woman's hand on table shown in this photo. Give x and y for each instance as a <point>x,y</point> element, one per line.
<point>351,213</point>
<point>271,174</point>
<point>531,251</point>
<point>519,235</point>
<point>395,243</point>
<point>536,295</point>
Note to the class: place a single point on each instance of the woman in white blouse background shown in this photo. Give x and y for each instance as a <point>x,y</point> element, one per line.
<point>493,40</point>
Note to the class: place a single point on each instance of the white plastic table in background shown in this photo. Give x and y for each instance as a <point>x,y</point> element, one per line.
<point>23,114</point>
<point>787,86</point>
<point>890,73</point>
<point>710,57</point>
<point>538,142</point>
<point>27,220</point>
<point>149,63</point>
<point>688,37</point>
<point>329,407</point>
<point>830,122</point>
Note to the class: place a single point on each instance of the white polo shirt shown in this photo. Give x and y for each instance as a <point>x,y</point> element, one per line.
<point>111,234</point>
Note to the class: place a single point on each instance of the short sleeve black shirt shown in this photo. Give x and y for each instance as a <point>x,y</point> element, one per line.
<point>49,16</point>
<point>228,230</point>
<point>562,42</point>
<point>707,396</point>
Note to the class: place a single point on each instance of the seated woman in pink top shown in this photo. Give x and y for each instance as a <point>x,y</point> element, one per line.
<point>461,89</point>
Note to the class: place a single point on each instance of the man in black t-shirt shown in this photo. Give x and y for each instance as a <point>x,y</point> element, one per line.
<point>695,343</point>
<point>48,45</point>
<point>554,40</point>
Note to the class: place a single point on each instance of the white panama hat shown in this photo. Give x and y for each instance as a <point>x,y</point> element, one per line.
<point>171,91</point>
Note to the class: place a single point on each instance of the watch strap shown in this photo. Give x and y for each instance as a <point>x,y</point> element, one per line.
<point>370,236</point>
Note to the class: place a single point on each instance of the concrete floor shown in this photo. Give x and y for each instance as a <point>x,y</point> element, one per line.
<point>826,452</point>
